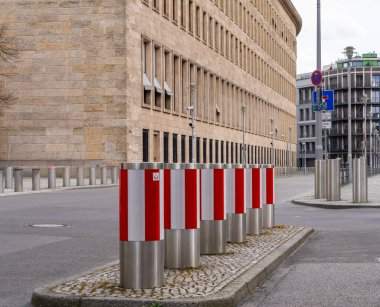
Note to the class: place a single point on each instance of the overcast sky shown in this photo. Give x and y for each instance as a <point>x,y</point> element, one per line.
<point>344,23</point>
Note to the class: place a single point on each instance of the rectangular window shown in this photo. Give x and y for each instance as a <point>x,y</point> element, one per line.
<point>183,13</point>
<point>175,10</point>
<point>222,151</point>
<point>376,80</point>
<point>227,151</point>
<point>198,22</point>
<point>210,32</point>
<point>175,148</point>
<point>183,148</point>
<point>147,71</point>
<point>204,150</point>
<point>198,150</point>
<point>166,8</point>
<point>185,85</point>
<point>375,96</point>
<point>236,153</point>
<point>145,145</point>
<point>210,151</point>
<point>157,76</point>
<point>216,151</point>
<point>167,80</point>
<point>176,83</point>
<point>204,27</point>
<point>190,149</point>
<point>191,16</point>
<point>166,147</point>
<point>156,5</point>
<point>232,152</point>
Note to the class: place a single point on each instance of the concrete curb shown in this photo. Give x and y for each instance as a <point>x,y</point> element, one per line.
<point>330,205</point>
<point>230,295</point>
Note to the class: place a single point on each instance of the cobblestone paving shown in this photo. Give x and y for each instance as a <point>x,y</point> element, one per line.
<point>215,272</point>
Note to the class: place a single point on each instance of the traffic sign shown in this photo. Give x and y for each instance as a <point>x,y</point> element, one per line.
<point>316,77</point>
<point>327,100</point>
<point>326,124</point>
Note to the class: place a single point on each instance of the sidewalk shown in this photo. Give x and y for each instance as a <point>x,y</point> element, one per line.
<point>221,280</point>
<point>346,197</point>
<point>27,183</point>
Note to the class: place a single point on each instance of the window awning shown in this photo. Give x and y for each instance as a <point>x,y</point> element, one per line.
<point>146,82</point>
<point>157,86</point>
<point>168,90</point>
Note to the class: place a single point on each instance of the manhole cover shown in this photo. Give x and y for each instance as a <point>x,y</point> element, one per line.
<point>47,225</point>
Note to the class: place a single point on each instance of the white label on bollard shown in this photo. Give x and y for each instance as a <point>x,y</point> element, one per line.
<point>156,176</point>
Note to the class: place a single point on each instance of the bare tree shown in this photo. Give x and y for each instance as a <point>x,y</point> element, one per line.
<point>8,57</point>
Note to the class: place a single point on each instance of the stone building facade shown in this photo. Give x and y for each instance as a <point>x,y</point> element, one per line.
<point>105,81</point>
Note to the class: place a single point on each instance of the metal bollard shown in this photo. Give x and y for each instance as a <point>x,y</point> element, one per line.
<point>51,178</point>
<point>320,179</point>
<point>1,182</point>
<point>80,180</point>
<point>142,245</point>
<point>359,181</point>
<point>19,180</point>
<point>213,211</point>
<point>66,176</point>
<point>9,177</point>
<point>333,180</point>
<point>114,175</point>
<point>268,195</point>
<point>236,203</point>
<point>92,175</point>
<point>182,209</point>
<point>254,200</point>
<point>36,179</point>
<point>103,176</point>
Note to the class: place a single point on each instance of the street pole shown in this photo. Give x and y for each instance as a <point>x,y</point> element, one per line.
<point>272,144</point>
<point>192,110</point>
<point>349,51</point>
<point>365,98</point>
<point>304,156</point>
<point>290,149</point>
<point>244,151</point>
<point>318,114</point>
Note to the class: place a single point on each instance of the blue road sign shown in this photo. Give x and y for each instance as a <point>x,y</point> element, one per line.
<point>316,77</point>
<point>327,97</point>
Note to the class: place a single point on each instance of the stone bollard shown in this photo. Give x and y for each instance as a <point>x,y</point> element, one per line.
<point>9,177</point>
<point>36,176</point>
<point>66,176</point>
<point>1,182</point>
<point>51,177</point>
<point>18,177</point>
<point>80,180</point>
<point>114,175</point>
<point>103,176</point>
<point>92,175</point>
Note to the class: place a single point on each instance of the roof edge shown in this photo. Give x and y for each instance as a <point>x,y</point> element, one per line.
<point>293,13</point>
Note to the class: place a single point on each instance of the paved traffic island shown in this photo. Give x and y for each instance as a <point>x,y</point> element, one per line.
<point>221,280</point>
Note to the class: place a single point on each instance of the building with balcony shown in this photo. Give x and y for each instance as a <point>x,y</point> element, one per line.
<point>107,81</point>
<point>365,112</point>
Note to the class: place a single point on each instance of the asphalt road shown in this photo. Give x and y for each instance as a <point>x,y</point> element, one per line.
<point>338,266</point>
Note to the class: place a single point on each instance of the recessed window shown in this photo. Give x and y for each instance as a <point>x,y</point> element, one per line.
<point>145,141</point>
<point>157,76</point>
<point>175,148</point>
<point>147,71</point>
<point>166,147</point>
<point>167,80</point>
<point>183,148</point>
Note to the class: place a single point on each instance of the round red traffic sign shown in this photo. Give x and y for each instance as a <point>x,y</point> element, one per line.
<point>316,77</point>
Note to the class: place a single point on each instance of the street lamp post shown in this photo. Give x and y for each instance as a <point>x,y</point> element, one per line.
<point>191,108</point>
<point>365,99</point>
<point>272,144</point>
<point>304,156</point>
<point>349,52</point>
<point>290,149</point>
<point>244,149</point>
<point>318,114</point>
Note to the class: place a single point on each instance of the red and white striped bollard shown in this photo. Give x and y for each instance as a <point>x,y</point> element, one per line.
<point>182,215</point>
<point>236,203</point>
<point>213,209</point>
<point>141,225</point>
<point>254,200</point>
<point>268,190</point>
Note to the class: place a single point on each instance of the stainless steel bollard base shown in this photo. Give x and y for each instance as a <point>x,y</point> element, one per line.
<point>103,176</point>
<point>254,221</point>
<point>80,180</point>
<point>142,264</point>
<point>9,177</point>
<point>66,176</point>
<point>213,237</point>
<point>19,180</point>
<point>1,182</point>
<point>51,178</point>
<point>36,179</point>
<point>236,227</point>
<point>92,175</point>
<point>268,216</point>
<point>182,248</point>
<point>114,175</point>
